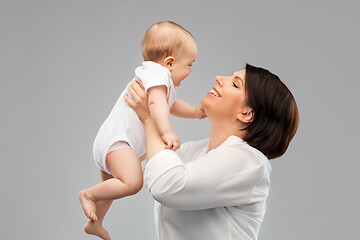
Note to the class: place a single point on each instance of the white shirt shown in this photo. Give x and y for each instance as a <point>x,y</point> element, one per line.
<point>123,124</point>
<point>216,195</point>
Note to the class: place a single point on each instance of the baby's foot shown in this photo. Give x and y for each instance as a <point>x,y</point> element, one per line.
<point>94,228</point>
<point>88,205</point>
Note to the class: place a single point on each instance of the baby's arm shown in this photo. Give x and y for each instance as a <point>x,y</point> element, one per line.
<point>185,110</point>
<point>159,111</point>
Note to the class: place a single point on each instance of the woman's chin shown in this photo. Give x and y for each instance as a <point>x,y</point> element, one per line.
<point>208,97</point>
<point>205,103</point>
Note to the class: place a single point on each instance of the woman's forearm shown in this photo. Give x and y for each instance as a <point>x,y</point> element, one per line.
<point>190,186</point>
<point>154,143</point>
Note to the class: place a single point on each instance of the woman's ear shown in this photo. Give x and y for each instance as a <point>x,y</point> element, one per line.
<point>246,115</point>
<point>169,63</point>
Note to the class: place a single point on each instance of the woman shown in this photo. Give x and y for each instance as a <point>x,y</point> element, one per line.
<point>217,188</point>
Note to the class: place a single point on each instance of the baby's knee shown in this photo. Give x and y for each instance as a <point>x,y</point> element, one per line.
<point>135,186</point>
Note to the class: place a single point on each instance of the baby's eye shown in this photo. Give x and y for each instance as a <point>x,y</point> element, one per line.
<point>190,65</point>
<point>235,85</point>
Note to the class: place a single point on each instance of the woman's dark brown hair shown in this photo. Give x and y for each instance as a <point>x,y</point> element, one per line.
<point>276,116</point>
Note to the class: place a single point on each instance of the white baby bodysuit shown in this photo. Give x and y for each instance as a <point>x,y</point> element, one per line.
<point>123,124</point>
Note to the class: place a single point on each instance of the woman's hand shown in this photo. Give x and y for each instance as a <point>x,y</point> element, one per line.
<point>139,100</point>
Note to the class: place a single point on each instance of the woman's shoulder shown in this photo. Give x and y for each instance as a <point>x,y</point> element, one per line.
<point>193,149</point>
<point>197,143</point>
<point>237,149</point>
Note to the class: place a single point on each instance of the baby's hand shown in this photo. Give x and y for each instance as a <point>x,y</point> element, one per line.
<point>172,141</point>
<point>199,113</point>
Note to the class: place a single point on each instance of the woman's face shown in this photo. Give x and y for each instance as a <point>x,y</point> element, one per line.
<point>227,98</point>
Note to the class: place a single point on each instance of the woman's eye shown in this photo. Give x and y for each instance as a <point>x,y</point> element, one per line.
<point>235,85</point>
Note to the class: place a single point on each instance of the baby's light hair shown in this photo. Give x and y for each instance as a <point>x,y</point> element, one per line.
<point>162,39</point>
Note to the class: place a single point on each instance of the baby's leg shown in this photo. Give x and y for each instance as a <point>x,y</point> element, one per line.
<point>125,166</point>
<point>95,227</point>
<point>127,180</point>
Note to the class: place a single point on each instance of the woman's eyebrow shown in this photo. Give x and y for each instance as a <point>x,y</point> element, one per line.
<point>240,79</point>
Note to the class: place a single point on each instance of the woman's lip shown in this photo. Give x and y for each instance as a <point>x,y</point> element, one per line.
<point>216,91</point>
<point>212,94</point>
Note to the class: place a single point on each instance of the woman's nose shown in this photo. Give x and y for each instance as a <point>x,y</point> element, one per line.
<point>219,80</point>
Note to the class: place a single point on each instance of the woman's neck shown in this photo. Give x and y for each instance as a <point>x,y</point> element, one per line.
<point>219,134</point>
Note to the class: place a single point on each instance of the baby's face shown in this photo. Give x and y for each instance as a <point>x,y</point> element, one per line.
<point>183,62</point>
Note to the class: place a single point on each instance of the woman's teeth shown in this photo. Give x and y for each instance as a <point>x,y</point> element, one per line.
<point>214,93</point>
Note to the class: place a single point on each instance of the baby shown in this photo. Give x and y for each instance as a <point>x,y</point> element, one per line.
<point>169,51</point>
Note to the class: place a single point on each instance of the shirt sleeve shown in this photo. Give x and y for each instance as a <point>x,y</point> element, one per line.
<point>223,177</point>
<point>154,77</point>
<point>187,148</point>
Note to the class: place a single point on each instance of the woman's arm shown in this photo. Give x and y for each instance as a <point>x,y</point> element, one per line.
<point>223,177</point>
<point>139,103</point>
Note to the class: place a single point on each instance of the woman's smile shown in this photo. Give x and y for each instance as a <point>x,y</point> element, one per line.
<point>215,92</point>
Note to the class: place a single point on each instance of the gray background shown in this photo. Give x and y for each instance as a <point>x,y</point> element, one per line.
<point>64,64</point>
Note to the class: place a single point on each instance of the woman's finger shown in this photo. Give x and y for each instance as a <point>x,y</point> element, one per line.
<point>138,80</point>
<point>134,94</point>
<point>139,89</point>
<point>129,101</point>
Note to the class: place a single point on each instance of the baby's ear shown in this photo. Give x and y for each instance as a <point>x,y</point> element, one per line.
<point>169,63</point>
